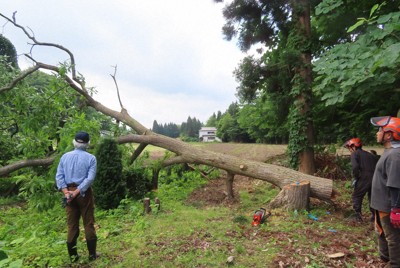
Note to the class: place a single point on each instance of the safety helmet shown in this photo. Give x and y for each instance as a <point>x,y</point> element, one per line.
<point>388,123</point>
<point>356,142</point>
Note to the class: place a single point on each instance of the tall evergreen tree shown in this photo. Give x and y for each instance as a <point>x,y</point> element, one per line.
<point>269,22</point>
<point>212,121</point>
<point>8,50</point>
<point>156,127</point>
<point>108,186</point>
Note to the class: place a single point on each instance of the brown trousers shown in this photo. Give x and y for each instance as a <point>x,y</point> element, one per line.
<point>81,206</point>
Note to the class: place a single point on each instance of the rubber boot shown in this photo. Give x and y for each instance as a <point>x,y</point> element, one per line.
<point>72,252</point>
<point>357,216</point>
<point>91,245</point>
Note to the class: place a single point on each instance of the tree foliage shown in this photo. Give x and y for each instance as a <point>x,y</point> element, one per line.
<point>108,185</point>
<point>228,129</point>
<point>351,68</point>
<point>171,129</point>
<point>264,126</point>
<point>137,179</point>
<point>8,51</point>
<point>190,128</point>
<point>360,79</point>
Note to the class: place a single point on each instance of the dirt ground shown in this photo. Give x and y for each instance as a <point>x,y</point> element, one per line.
<point>214,194</point>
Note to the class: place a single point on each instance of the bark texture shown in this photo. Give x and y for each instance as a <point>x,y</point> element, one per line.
<point>146,205</point>
<point>294,196</point>
<point>26,163</point>
<point>229,185</point>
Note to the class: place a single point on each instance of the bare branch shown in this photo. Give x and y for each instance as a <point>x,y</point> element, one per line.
<point>26,163</point>
<point>36,42</point>
<point>137,152</point>
<point>116,85</point>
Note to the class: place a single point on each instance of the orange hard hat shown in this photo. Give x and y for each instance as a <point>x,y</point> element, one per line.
<point>356,142</point>
<point>388,124</point>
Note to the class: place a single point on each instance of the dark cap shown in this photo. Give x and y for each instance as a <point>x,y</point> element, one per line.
<point>82,137</point>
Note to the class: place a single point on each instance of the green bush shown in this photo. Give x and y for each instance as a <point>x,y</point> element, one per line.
<point>137,181</point>
<point>108,186</point>
<point>8,187</point>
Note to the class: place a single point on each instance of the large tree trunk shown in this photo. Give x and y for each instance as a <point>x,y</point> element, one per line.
<point>303,103</point>
<point>280,176</point>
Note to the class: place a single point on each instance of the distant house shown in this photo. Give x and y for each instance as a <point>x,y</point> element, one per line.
<point>208,134</point>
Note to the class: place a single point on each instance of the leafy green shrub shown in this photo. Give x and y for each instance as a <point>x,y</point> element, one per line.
<point>137,181</point>
<point>8,187</point>
<point>108,186</point>
<point>38,191</point>
<point>189,139</point>
<point>8,149</point>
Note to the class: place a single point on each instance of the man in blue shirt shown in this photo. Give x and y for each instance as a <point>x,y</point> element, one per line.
<point>75,175</point>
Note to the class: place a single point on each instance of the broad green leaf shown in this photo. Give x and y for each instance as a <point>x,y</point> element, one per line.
<point>373,9</point>
<point>17,241</point>
<point>356,25</point>
<point>327,6</point>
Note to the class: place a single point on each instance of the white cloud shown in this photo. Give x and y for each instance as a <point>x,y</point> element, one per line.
<point>171,57</point>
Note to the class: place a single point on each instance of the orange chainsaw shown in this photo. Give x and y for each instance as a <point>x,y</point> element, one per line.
<point>260,216</point>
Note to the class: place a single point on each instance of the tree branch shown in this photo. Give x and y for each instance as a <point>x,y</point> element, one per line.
<point>137,152</point>
<point>116,85</point>
<point>19,78</point>
<point>26,163</point>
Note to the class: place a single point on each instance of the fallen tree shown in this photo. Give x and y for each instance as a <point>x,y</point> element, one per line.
<point>320,188</point>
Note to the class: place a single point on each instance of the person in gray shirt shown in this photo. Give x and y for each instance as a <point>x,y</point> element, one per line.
<point>385,195</point>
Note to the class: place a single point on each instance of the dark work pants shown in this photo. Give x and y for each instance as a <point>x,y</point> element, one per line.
<point>81,207</point>
<point>389,240</point>
<point>359,192</point>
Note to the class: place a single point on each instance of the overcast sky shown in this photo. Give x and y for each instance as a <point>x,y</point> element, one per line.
<point>172,59</point>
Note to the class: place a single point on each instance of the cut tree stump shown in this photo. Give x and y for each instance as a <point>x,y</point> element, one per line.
<point>229,185</point>
<point>294,196</point>
<point>158,203</point>
<point>146,204</point>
